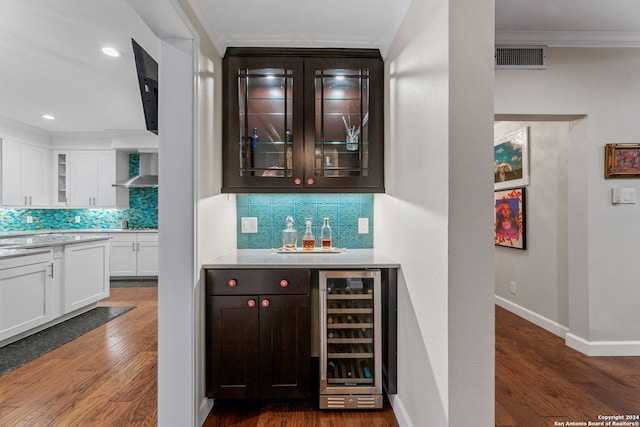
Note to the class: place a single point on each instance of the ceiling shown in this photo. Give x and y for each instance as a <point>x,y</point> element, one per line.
<point>53,64</point>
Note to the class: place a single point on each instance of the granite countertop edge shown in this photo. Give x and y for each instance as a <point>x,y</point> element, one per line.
<point>6,234</point>
<point>266,258</point>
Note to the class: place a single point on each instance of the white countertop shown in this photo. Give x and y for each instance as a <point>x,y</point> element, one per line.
<point>266,258</point>
<point>45,240</point>
<point>12,253</point>
<point>77,230</point>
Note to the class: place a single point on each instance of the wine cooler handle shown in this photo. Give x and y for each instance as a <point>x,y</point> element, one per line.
<point>251,303</point>
<point>284,283</point>
<point>266,303</point>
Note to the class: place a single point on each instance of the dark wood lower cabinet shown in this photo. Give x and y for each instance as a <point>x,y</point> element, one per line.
<point>258,345</point>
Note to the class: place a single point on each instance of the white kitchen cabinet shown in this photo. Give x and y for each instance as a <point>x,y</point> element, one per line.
<point>27,296</point>
<point>25,175</point>
<point>134,254</point>
<point>85,274</point>
<point>91,175</point>
<point>60,181</point>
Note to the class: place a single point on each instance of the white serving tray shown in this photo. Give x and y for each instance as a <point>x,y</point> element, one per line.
<point>313,251</point>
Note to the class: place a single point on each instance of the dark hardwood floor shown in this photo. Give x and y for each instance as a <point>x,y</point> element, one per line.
<point>541,381</point>
<point>107,377</point>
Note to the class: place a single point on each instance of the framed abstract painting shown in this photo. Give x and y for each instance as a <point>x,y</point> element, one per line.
<point>509,227</point>
<point>622,161</point>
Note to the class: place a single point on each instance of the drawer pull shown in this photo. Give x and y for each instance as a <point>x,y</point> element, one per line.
<point>251,303</point>
<point>266,303</point>
<point>232,283</point>
<point>284,283</point>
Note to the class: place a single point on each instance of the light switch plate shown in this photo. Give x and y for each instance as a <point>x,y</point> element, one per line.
<point>249,224</point>
<point>363,225</point>
<point>623,196</point>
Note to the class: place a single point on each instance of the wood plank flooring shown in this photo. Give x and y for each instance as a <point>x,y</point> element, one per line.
<point>540,381</point>
<point>107,377</point>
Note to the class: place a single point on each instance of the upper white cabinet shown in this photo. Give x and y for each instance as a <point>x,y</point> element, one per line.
<point>90,175</point>
<point>59,190</point>
<point>25,175</point>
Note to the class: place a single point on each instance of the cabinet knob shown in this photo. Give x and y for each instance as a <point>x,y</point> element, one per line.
<point>284,283</point>
<point>232,283</point>
<point>297,181</point>
<point>310,181</point>
<point>251,303</point>
<point>266,303</point>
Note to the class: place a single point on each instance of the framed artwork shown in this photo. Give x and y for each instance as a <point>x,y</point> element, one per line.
<point>511,160</point>
<point>622,161</point>
<point>509,227</point>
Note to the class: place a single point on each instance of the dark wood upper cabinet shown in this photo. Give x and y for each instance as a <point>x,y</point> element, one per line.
<point>303,120</point>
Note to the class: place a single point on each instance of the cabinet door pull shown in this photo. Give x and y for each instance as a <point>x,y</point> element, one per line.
<point>284,283</point>
<point>266,303</point>
<point>310,181</point>
<point>30,201</point>
<point>94,201</point>
<point>232,283</point>
<point>133,247</point>
<point>51,271</point>
<point>251,303</point>
<point>25,200</point>
<point>297,181</point>
<point>138,247</point>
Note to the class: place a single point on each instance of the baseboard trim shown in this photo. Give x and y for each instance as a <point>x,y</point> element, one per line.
<point>603,348</point>
<point>533,317</point>
<point>399,411</point>
<point>203,411</point>
<point>590,348</point>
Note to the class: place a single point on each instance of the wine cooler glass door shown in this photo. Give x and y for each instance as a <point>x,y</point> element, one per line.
<point>350,359</point>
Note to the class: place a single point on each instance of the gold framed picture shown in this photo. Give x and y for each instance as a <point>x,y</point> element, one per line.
<point>622,161</point>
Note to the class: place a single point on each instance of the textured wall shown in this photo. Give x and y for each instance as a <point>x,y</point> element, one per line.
<point>343,211</point>
<point>142,212</point>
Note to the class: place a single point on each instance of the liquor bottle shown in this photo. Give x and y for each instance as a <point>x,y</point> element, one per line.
<point>308,240</point>
<point>325,234</point>
<point>253,143</point>
<point>289,235</point>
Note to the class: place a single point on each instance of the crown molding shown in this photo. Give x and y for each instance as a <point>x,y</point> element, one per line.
<point>569,38</point>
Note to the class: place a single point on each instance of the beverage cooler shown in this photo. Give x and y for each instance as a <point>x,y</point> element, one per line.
<point>350,340</point>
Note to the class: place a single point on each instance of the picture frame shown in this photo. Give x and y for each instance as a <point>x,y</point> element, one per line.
<point>510,219</point>
<point>511,160</point>
<point>621,161</point>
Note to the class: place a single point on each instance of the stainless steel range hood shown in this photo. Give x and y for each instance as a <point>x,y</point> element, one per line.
<point>148,176</point>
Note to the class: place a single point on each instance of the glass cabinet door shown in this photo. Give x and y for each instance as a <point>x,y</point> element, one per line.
<point>300,120</point>
<point>347,122</point>
<point>268,122</point>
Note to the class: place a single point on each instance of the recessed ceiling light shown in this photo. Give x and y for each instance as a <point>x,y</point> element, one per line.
<point>110,51</point>
<point>48,117</point>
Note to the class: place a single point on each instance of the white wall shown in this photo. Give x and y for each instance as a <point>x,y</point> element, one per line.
<point>20,132</point>
<point>603,271</point>
<point>541,271</point>
<point>435,218</point>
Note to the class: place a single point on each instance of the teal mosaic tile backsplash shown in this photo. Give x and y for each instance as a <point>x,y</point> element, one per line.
<point>343,211</point>
<point>142,212</point>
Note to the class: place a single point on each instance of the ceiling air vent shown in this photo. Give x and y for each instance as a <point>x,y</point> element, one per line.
<point>521,57</point>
